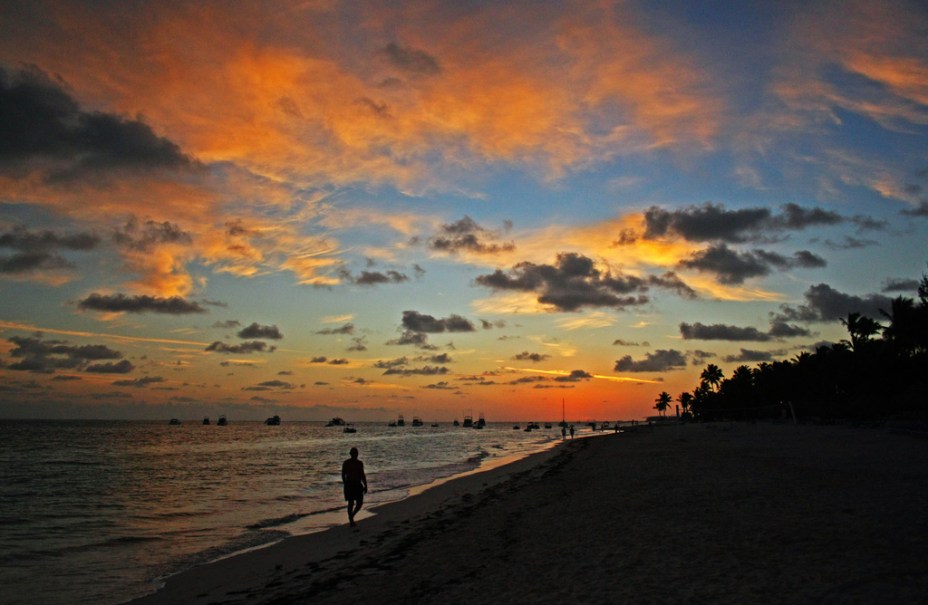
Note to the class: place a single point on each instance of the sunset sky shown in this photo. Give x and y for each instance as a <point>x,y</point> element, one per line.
<point>367,209</point>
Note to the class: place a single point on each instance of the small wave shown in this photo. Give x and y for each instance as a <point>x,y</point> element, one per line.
<point>244,542</point>
<point>475,459</point>
<point>291,518</point>
<point>276,521</point>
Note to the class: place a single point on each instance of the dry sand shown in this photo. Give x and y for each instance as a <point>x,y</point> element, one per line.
<point>720,513</point>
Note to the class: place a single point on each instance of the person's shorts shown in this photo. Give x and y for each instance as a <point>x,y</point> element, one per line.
<point>354,490</point>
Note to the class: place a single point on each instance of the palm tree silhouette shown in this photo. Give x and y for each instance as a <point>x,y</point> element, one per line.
<point>860,328</point>
<point>663,401</point>
<point>685,399</point>
<point>712,375</point>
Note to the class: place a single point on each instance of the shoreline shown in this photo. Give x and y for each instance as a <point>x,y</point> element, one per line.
<point>310,547</point>
<point>765,513</point>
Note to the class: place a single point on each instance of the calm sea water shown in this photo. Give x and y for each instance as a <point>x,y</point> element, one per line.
<point>99,512</point>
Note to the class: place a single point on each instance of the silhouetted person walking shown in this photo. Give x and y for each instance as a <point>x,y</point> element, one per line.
<point>355,482</point>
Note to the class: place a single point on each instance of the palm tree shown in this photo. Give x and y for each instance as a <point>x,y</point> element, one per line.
<point>903,325</point>
<point>662,402</point>
<point>860,328</point>
<point>685,399</point>
<point>923,290</point>
<point>712,375</point>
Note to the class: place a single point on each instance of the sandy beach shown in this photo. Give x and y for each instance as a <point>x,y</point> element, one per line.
<point>721,513</point>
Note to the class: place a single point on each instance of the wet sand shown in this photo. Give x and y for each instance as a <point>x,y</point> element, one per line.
<point>722,513</point>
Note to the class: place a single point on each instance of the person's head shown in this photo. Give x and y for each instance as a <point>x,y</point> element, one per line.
<point>354,452</point>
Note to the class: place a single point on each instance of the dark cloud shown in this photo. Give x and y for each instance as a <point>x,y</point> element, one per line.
<point>417,339</point>
<point>574,376</point>
<point>256,330</point>
<point>851,243</point>
<point>824,303</point>
<point>271,385</point>
<point>423,371</point>
<point>391,363</point>
<point>138,382</point>
<point>340,361</point>
<point>373,278</point>
<point>120,303</point>
<point>439,358</point>
<point>908,286</point>
<point>671,281</point>
<point>732,267</point>
<point>867,223</point>
<point>411,60</point>
<point>345,329</point>
<point>45,356</point>
<point>119,367</point>
<point>919,210</point>
<point>699,357</point>
<point>440,386</point>
<point>489,325</point>
<point>244,348</point>
<point>778,329</point>
<point>21,238</point>
<point>749,356</point>
<point>626,237</point>
<point>319,359</point>
<point>149,235</point>
<point>467,236</point>
<point>705,223</point>
<point>629,343</point>
<point>712,222</point>
<point>45,127</point>
<point>534,357</point>
<point>28,262</point>
<point>237,364</point>
<point>660,360</point>
<point>419,322</point>
<point>227,324</point>
<point>36,251</point>
<point>358,344</point>
<point>795,217</point>
<point>528,380</point>
<point>782,329</point>
<point>698,331</point>
<point>807,260</point>
<point>574,282</point>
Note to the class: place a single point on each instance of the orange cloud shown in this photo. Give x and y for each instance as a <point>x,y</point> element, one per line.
<point>287,95</point>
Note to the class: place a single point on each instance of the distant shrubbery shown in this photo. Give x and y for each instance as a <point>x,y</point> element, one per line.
<point>879,372</point>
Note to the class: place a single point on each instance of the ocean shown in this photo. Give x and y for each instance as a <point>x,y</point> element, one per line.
<point>102,511</point>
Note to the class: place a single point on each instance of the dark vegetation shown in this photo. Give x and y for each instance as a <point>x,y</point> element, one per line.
<point>880,372</point>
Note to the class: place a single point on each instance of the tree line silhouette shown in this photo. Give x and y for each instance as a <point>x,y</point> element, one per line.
<point>879,372</point>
